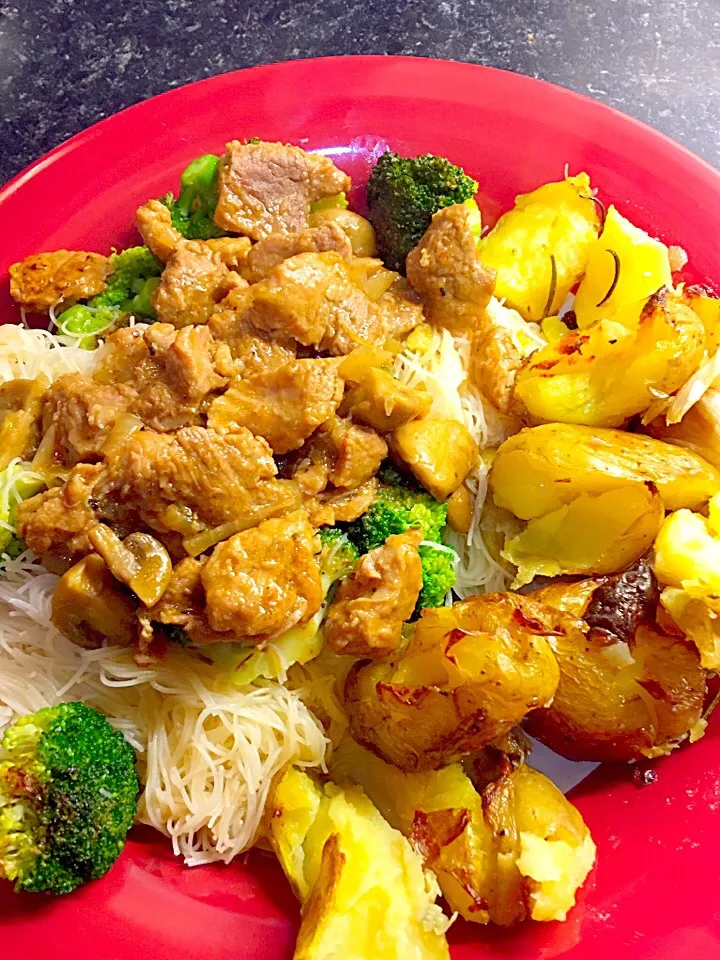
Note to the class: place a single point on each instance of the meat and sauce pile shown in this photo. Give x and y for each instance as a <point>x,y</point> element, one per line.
<point>245,462</point>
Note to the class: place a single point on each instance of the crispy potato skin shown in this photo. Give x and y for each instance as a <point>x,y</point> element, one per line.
<point>543,468</point>
<point>474,839</point>
<point>614,702</point>
<point>607,373</point>
<point>469,674</point>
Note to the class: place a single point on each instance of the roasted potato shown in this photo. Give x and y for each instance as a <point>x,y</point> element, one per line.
<point>707,306</point>
<point>342,858</point>
<point>513,849</point>
<point>543,468</point>
<point>625,266</point>
<point>602,533</point>
<point>540,247</point>
<point>699,429</point>
<point>439,450</point>
<point>469,674</point>
<point>687,563</point>
<point>627,690</point>
<point>607,373</point>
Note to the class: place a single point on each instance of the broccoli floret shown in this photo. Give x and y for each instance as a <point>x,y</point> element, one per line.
<point>68,794</point>
<point>338,555</point>
<point>193,211</point>
<point>134,277</point>
<point>404,192</point>
<point>400,505</point>
<point>438,575</point>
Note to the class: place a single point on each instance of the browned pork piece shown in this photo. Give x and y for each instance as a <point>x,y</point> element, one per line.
<point>83,413</point>
<point>446,269</point>
<point>64,276</point>
<point>313,297</point>
<point>183,605</point>
<point>21,411</point>
<point>263,581</point>
<point>269,252</point>
<point>284,404</point>
<point>208,480</point>
<point>54,523</point>
<point>194,281</point>
<point>371,605</point>
<point>154,224</point>
<point>341,506</point>
<point>340,453</point>
<point>266,188</point>
<point>170,371</point>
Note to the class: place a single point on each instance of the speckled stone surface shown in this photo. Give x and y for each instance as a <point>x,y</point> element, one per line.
<point>66,63</point>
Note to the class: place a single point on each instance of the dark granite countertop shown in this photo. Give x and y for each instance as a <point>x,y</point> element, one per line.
<point>66,63</point>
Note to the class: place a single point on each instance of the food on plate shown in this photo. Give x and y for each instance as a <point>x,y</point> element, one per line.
<point>68,792</point>
<point>320,510</point>
<point>627,689</point>
<point>503,842</point>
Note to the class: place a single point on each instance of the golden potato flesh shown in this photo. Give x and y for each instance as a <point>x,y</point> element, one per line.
<point>469,674</point>
<point>707,306</point>
<point>624,268</point>
<point>513,849</point>
<point>617,700</point>
<point>607,373</point>
<point>542,468</point>
<point>438,450</point>
<point>342,858</point>
<point>602,533</point>
<point>540,247</point>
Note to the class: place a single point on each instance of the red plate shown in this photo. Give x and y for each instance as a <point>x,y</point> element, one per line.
<point>655,892</point>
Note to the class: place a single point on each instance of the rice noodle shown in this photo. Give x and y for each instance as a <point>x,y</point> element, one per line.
<point>440,365</point>
<point>27,353</point>
<point>207,751</point>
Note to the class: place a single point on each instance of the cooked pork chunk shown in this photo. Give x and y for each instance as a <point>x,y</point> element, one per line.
<point>54,523</point>
<point>284,405</point>
<point>183,604</point>
<point>171,371</point>
<point>155,226</point>
<point>313,298</point>
<point>64,276</point>
<point>194,281</point>
<point>366,617</point>
<point>267,253</point>
<point>263,581</point>
<point>214,479</point>
<point>446,269</point>
<point>251,350</point>
<point>267,188</point>
<point>83,413</point>
<point>356,452</point>
<point>341,506</point>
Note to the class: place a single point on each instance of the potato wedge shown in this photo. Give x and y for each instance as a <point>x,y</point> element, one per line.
<point>342,858</point>
<point>470,840</point>
<point>706,305</point>
<point>625,266</point>
<point>603,533</point>
<point>609,372</point>
<point>438,450</point>
<point>469,674</point>
<point>540,247</point>
<point>617,701</point>
<point>545,467</point>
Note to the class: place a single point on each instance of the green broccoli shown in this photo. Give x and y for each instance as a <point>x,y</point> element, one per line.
<point>193,211</point>
<point>134,277</point>
<point>338,555</point>
<point>400,505</point>
<point>404,192</point>
<point>18,481</point>
<point>438,574</point>
<point>68,794</point>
